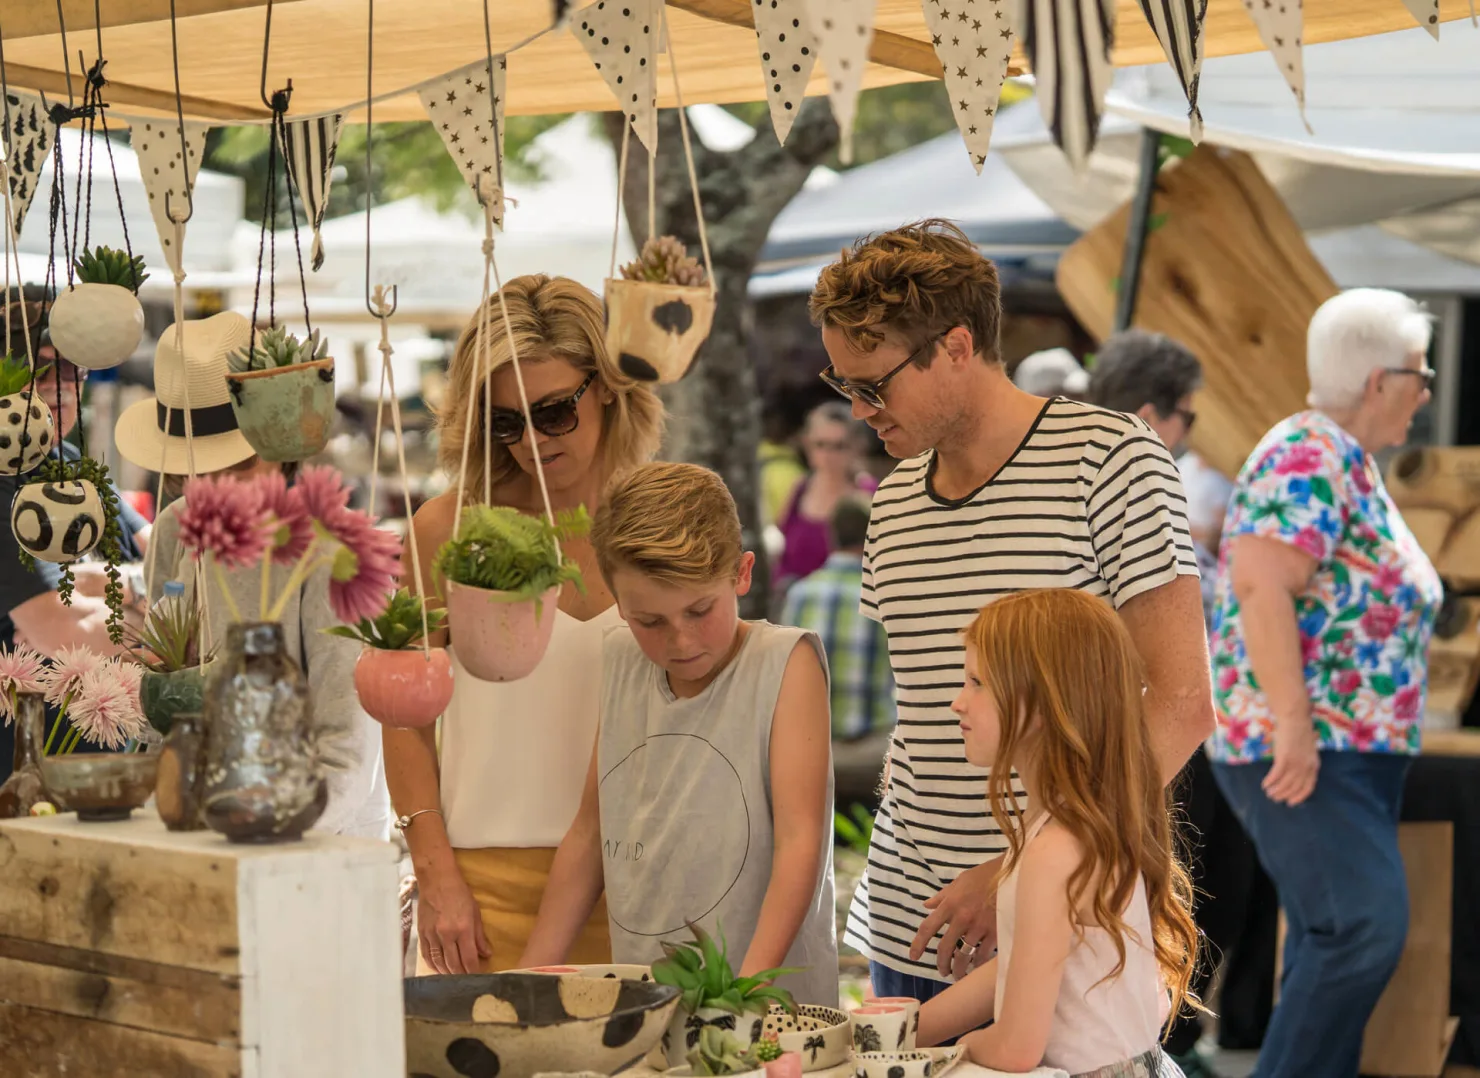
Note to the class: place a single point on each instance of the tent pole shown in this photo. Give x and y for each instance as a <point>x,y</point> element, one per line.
<point>1135,240</point>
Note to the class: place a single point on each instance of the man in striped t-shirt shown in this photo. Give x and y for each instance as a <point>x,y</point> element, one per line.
<point>997,491</point>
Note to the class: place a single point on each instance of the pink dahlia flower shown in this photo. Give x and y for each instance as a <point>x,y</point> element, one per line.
<point>106,710</point>
<point>68,666</point>
<point>226,519</point>
<point>366,567</point>
<point>292,530</point>
<point>21,670</point>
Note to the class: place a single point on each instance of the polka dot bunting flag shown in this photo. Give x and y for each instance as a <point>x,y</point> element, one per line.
<point>788,51</point>
<point>157,142</point>
<point>973,39</point>
<point>622,36</point>
<point>1280,24</point>
<point>844,31</point>
<point>467,109</point>
<point>1426,12</point>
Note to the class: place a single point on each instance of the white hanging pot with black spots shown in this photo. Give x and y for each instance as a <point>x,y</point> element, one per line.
<point>58,522</point>
<point>658,313</point>
<point>98,322</point>
<point>27,432</point>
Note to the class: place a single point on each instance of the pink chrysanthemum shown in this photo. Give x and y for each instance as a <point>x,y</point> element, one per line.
<point>366,567</point>
<point>106,710</point>
<point>322,490</point>
<point>226,519</point>
<point>65,674</point>
<point>292,530</point>
<point>21,670</point>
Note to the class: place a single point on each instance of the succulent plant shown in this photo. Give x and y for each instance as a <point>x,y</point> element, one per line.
<point>106,265</point>
<point>398,628</point>
<point>276,347</point>
<point>16,375</point>
<point>665,261</point>
<point>701,971</point>
<point>766,1050</point>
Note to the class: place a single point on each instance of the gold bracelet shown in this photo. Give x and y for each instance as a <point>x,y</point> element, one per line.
<point>402,822</point>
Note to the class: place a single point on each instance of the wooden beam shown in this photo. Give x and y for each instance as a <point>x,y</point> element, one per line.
<point>36,18</point>
<point>25,77</point>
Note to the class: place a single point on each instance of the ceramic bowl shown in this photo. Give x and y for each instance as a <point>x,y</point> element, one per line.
<point>100,785</point>
<point>515,1025</point>
<point>820,1035</point>
<point>607,972</point>
<point>925,1063</point>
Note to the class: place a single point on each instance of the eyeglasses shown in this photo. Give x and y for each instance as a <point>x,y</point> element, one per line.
<point>552,418</point>
<point>1427,374</point>
<point>872,393</point>
<point>1188,417</point>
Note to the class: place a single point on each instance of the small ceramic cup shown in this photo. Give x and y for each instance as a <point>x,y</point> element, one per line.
<point>886,1027</point>
<point>894,1064</point>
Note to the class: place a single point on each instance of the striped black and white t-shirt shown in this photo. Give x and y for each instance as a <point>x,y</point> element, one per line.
<point>1090,500</point>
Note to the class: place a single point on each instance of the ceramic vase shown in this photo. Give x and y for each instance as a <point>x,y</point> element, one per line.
<point>57,522</point>
<point>497,637</point>
<point>682,1035</point>
<point>96,325</point>
<point>167,694</point>
<point>285,413</point>
<point>404,688</point>
<point>261,782</point>
<point>654,330</point>
<point>179,788</point>
<point>28,432</point>
<point>26,787</point>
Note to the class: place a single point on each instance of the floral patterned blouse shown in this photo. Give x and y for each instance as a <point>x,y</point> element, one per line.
<point>1366,616</point>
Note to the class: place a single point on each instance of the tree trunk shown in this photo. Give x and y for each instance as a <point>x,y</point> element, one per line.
<point>715,411</point>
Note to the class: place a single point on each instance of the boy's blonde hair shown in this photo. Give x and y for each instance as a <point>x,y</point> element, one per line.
<point>673,523</point>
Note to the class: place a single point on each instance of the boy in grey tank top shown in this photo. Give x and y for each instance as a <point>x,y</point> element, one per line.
<point>709,797</point>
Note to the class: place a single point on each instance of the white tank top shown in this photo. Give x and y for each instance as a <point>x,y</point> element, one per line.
<point>515,753</point>
<point>1096,1022</point>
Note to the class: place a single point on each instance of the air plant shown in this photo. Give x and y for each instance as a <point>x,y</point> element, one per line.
<point>169,639</point>
<point>665,260</point>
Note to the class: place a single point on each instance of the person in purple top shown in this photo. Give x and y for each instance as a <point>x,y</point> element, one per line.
<point>833,442</point>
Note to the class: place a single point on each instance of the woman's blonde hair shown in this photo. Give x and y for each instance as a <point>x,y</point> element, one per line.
<point>552,318</point>
<point>1063,660</point>
<point>674,523</point>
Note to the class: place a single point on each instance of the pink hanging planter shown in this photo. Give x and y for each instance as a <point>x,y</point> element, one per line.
<point>405,689</point>
<point>498,637</point>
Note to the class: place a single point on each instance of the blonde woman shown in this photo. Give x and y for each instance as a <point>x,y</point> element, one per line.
<point>486,815</point>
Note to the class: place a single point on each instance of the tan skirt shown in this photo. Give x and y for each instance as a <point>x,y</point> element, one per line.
<point>508,883</point>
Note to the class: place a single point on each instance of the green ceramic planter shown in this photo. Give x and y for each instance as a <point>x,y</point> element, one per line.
<point>165,695</point>
<point>285,413</point>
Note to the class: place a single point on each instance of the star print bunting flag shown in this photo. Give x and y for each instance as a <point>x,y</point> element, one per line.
<point>27,144</point>
<point>973,39</point>
<point>622,41</point>
<point>1068,45</point>
<point>467,109</point>
<point>1179,28</point>
<point>1280,24</point>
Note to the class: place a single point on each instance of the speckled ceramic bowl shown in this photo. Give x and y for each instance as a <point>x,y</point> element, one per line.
<point>822,1036</point>
<point>100,785</point>
<point>601,972</point>
<point>514,1025</point>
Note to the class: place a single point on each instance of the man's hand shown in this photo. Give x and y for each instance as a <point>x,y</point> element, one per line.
<point>1297,761</point>
<point>967,911</point>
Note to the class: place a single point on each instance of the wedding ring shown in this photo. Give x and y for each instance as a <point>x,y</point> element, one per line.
<point>970,949</point>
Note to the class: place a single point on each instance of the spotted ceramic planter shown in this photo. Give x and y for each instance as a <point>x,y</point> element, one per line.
<point>822,1036</point>
<point>285,413</point>
<point>653,331</point>
<point>27,432</point>
<point>57,522</point>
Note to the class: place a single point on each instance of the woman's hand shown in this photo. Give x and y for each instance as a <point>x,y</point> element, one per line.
<point>449,925</point>
<point>1297,761</point>
<point>967,909</point>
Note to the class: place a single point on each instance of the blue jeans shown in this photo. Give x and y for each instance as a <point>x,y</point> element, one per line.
<point>889,982</point>
<point>1334,860</point>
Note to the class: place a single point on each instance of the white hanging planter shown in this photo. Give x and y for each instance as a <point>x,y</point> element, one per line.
<point>96,326</point>
<point>58,522</point>
<point>28,431</point>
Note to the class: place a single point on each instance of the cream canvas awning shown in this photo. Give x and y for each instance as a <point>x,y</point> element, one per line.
<point>321,46</point>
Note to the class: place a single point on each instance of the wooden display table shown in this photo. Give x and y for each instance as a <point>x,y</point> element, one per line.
<point>127,949</point>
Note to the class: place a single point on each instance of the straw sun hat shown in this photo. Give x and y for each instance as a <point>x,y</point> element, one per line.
<point>151,433</point>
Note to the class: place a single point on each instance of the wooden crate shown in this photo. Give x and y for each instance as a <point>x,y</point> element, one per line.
<point>126,949</point>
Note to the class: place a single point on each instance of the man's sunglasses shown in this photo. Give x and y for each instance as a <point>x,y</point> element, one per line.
<point>872,393</point>
<point>551,418</point>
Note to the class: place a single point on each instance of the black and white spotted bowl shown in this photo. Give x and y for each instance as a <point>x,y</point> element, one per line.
<point>822,1036</point>
<point>515,1025</point>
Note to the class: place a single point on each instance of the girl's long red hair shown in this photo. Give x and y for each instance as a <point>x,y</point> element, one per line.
<point>1068,685</point>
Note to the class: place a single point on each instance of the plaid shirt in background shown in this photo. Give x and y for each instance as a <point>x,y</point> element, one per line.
<point>827,603</point>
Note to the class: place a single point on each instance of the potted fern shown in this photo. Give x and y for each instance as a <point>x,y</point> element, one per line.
<point>98,322</point>
<point>167,645</point>
<point>400,682</point>
<point>659,312</point>
<point>28,430</point>
<point>282,391</point>
<point>503,571</point>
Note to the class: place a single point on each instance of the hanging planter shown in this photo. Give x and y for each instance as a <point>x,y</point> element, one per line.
<point>28,430</point>
<point>282,391</point>
<point>98,322</point>
<point>58,522</point>
<point>400,682</point>
<point>659,313</point>
<point>503,572</point>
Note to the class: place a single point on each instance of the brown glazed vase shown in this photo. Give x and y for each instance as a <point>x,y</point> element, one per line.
<point>180,787</point>
<point>25,787</point>
<point>261,784</point>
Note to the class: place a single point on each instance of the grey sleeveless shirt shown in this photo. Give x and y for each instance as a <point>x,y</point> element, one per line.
<point>686,827</point>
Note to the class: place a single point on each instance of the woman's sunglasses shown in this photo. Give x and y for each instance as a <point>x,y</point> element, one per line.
<point>551,418</point>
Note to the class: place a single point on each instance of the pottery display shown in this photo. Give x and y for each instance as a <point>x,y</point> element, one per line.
<point>165,695</point>
<point>822,1036</point>
<point>26,786</point>
<point>926,1063</point>
<point>96,325</point>
<point>57,522</point>
<point>515,1025</point>
<point>27,432</point>
<point>498,638</point>
<point>886,1027</point>
<point>682,1035</point>
<point>654,330</point>
<point>100,785</point>
<point>285,413</point>
<point>179,788</point>
<point>261,782</point>
<point>408,688</point>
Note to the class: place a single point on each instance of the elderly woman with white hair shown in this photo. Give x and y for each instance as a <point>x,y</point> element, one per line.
<point>1324,609</point>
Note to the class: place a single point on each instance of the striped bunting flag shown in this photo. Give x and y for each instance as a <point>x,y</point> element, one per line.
<point>1068,45</point>
<point>308,147</point>
<point>1179,28</point>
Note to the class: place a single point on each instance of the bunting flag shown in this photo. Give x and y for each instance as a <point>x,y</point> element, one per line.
<point>559,14</point>
<point>1179,28</point>
<point>845,31</point>
<point>308,147</point>
<point>1426,14</point>
<point>467,108</point>
<point>1280,26</point>
<point>974,44</point>
<point>622,40</point>
<point>167,180</point>
<point>788,51</point>
<point>1068,45</point>
<point>27,143</point>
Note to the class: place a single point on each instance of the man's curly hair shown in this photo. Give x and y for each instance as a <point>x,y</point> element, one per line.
<point>919,280</point>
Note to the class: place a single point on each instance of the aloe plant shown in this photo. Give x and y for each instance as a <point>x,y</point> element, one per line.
<point>665,260</point>
<point>16,375</point>
<point>276,347</point>
<point>702,973</point>
<point>398,628</point>
<point>502,549</point>
<point>106,265</point>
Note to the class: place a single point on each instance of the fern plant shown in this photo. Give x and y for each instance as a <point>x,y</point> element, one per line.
<point>106,265</point>
<point>276,347</point>
<point>16,375</point>
<point>501,549</point>
<point>398,628</point>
